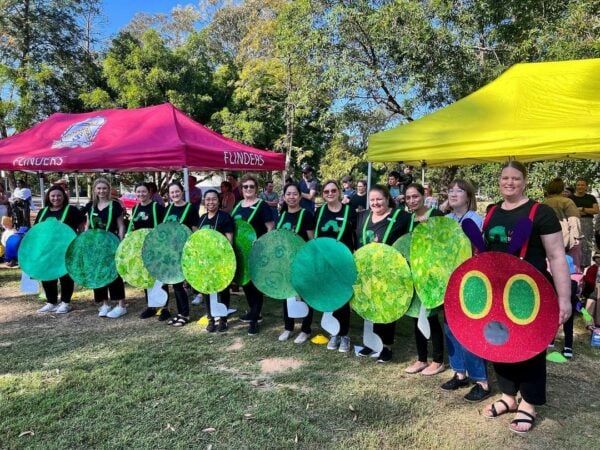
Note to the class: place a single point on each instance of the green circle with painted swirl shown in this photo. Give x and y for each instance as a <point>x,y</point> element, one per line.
<point>271,263</point>
<point>208,261</point>
<point>243,239</point>
<point>438,246</point>
<point>162,249</point>
<point>130,264</point>
<point>384,288</point>
<point>91,258</point>
<point>43,250</point>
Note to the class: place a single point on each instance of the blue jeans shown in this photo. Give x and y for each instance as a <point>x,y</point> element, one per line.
<point>462,360</point>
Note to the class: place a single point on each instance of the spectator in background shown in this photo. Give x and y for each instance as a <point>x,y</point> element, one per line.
<point>22,204</point>
<point>3,202</point>
<point>358,201</point>
<point>588,208</point>
<point>430,200</point>
<point>347,189</point>
<point>406,178</point>
<point>154,195</point>
<point>569,191</point>
<point>227,199</point>
<point>271,198</point>
<point>195,192</point>
<point>396,189</point>
<point>235,188</point>
<point>308,188</point>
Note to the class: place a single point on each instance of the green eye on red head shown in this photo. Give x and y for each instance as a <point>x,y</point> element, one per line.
<point>475,295</point>
<point>521,299</point>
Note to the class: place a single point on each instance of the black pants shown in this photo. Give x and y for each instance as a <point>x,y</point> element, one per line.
<point>527,377</point>
<point>437,340</point>
<point>343,316</point>
<point>289,322</point>
<point>386,331</point>
<point>224,297</point>
<point>66,289</point>
<point>568,325</point>
<point>255,301</point>
<point>116,289</point>
<point>181,298</point>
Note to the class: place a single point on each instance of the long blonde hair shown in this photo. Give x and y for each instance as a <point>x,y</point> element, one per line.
<point>98,181</point>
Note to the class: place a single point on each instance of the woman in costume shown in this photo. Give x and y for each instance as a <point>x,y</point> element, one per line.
<point>221,221</point>
<point>258,214</point>
<point>107,214</point>
<point>59,209</point>
<point>383,223</point>
<point>146,214</point>
<point>415,202</point>
<point>337,221</point>
<point>527,377</point>
<point>301,222</point>
<point>186,214</point>
<point>466,365</point>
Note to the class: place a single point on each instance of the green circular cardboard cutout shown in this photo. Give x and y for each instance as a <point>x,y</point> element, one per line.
<point>129,260</point>
<point>271,263</point>
<point>243,238</point>
<point>208,261</point>
<point>438,247</point>
<point>323,273</point>
<point>415,307</point>
<point>91,258</point>
<point>43,250</point>
<point>402,244</point>
<point>384,288</point>
<point>162,249</point>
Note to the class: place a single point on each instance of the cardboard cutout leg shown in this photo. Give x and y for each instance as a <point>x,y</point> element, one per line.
<point>423,323</point>
<point>157,297</point>
<point>297,309</point>
<point>370,339</point>
<point>28,285</point>
<point>217,309</point>
<point>330,324</point>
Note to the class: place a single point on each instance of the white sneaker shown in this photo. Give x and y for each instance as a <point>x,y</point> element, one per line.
<point>197,299</point>
<point>117,312</point>
<point>103,311</point>
<point>334,343</point>
<point>63,308</point>
<point>285,335</point>
<point>48,308</point>
<point>301,338</point>
<point>344,344</point>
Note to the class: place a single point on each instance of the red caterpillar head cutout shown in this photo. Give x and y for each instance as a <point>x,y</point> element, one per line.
<point>501,308</point>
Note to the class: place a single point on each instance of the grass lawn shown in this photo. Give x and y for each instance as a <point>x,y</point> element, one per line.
<point>78,381</point>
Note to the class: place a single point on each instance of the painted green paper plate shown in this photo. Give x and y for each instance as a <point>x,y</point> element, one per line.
<point>384,288</point>
<point>271,263</point>
<point>91,258</point>
<point>43,250</point>
<point>129,260</point>
<point>243,239</point>
<point>162,249</point>
<point>402,244</point>
<point>208,261</point>
<point>323,273</point>
<point>438,246</point>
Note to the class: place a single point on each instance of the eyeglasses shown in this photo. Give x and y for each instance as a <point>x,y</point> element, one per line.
<point>456,191</point>
<point>248,186</point>
<point>330,191</point>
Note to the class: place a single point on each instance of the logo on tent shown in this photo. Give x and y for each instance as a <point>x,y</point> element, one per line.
<point>80,134</point>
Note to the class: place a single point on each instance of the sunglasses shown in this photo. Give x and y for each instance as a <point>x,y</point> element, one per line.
<point>248,186</point>
<point>328,191</point>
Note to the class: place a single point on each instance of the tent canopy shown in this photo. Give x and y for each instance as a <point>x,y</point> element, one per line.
<point>539,111</point>
<point>154,138</point>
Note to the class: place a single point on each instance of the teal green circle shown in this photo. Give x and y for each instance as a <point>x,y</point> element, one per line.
<point>384,288</point>
<point>243,239</point>
<point>130,264</point>
<point>475,294</point>
<point>323,273</point>
<point>91,258</point>
<point>43,250</point>
<point>208,261</point>
<point>162,250</point>
<point>521,299</point>
<point>271,259</point>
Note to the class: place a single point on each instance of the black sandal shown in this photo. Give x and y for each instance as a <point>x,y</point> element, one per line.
<point>495,412</point>
<point>530,419</point>
<point>180,321</point>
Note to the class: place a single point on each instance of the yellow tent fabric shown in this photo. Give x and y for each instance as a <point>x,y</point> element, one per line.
<point>532,112</point>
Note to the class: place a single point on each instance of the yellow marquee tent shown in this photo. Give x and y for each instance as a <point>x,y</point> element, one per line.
<point>538,111</point>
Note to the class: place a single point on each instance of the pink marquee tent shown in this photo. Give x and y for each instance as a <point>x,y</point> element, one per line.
<point>129,140</point>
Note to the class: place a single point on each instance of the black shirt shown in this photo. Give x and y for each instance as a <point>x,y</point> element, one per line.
<point>289,221</point>
<point>262,216</point>
<point>143,216</point>
<point>585,201</point>
<point>358,200</point>
<point>330,224</point>
<point>74,217</point>
<point>221,222</point>
<point>99,218</point>
<point>175,213</point>
<point>375,232</point>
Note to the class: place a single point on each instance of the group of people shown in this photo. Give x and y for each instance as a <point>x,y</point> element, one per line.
<point>343,216</point>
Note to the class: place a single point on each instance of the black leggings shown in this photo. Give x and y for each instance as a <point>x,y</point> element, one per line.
<point>568,325</point>
<point>224,297</point>
<point>255,301</point>
<point>116,289</point>
<point>289,322</point>
<point>527,377</point>
<point>66,289</point>
<point>386,331</point>
<point>437,340</point>
<point>181,298</point>
<point>343,316</point>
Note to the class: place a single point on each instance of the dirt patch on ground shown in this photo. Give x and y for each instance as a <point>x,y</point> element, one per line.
<point>236,345</point>
<point>277,365</point>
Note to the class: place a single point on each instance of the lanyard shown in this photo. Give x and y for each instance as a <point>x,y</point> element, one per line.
<point>412,219</point>
<point>298,224</point>
<point>251,215</point>
<point>388,229</point>
<point>205,216</point>
<point>62,218</point>
<point>110,211</point>
<point>135,212</point>
<point>342,228</point>
<point>183,216</point>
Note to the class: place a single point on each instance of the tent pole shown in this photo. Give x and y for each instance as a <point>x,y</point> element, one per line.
<point>369,172</point>
<point>185,183</point>
<point>41,177</point>
<point>77,187</point>
<point>422,174</point>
